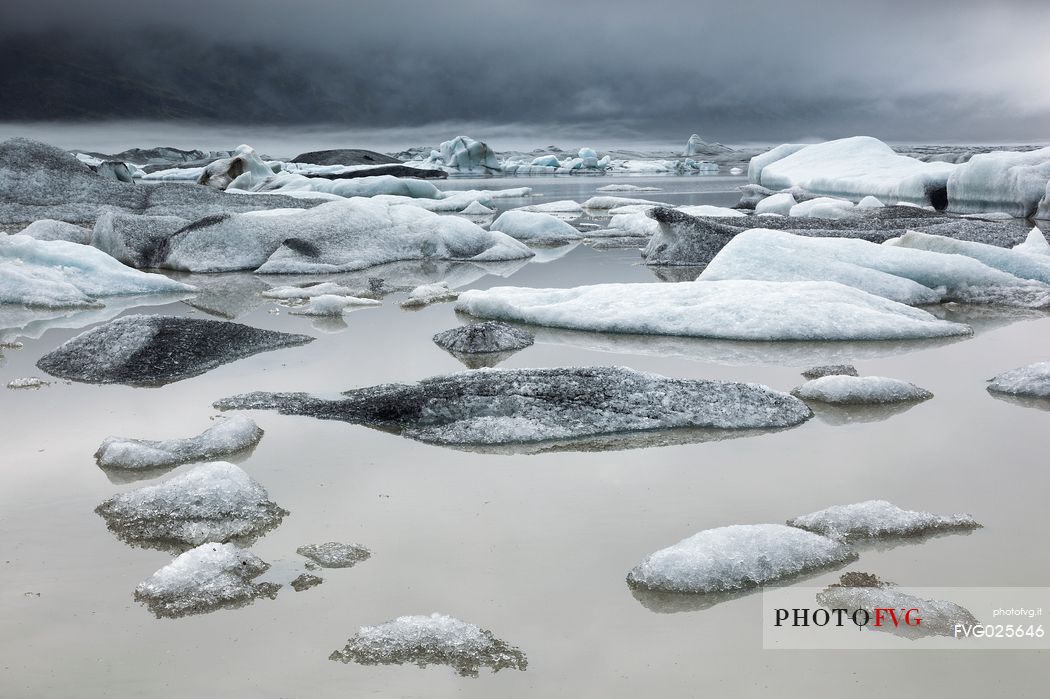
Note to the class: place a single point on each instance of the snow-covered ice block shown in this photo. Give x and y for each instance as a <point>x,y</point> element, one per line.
<point>146,350</point>
<point>214,502</point>
<point>436,639</point>
<point>334,554</point>
<point>488,336</point>
<point>228,436</point>
<point>860,390</point>
<point>426,294</point>
<point>332,305</point>
<point>1031,381</point>
<point>1014,182</point>
<point>206,578</point>
<point>730,310</point>
<point>878,519</point>
<point>830,370</point>
<point>1019,263</point>
<point>534,227</point>
<point>496,406</point>
<point>737,557</point>
<point>1034,244</point>
<point>49,229</point>
<point>780,203</point>
<point>853,168</point>
<point>60,274</point>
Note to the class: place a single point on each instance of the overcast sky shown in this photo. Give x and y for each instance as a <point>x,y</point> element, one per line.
<point>769,70</point>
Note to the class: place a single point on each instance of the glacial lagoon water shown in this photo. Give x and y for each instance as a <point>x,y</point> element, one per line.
<point>532,546</point>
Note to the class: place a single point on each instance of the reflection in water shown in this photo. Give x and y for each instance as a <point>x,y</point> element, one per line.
<point>482,360</point>
<point>1022,401</point>
<point>18,322</point>
<point>547,254</point>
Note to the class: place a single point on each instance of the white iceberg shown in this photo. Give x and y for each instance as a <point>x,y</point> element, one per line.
<point>1019,263</point>
<point>464,155</point>
<point>821,207</point>
<point>731,310</point>
<point>426,294</point>
<point>1013,182</point>
<point>1031,381</point>
<point>1034,244</point>
<point>294,293</point>
<point>860,390</point>
<point>285,183</point>
<point>711,211</point>
<point>244,167</point>
<point>49,229</point>
<point>780,203</point>
<point>878,519</point>
<point>476,208</point>
<point>534,227</point>
<point>332,305</point>
<point>627,188</point>
<point>610,202</point>
<point>870,202</point>
<point>228,436</point>
<point>564,206</point>
<point>737,557</point>
<point>27,382</point>
<point>213,502</point>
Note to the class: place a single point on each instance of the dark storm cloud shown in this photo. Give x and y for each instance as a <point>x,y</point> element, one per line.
<point>758,70</point>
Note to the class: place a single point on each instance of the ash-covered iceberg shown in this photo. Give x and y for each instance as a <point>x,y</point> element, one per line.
<point>135,240</point>
<point>145,350</point>
<point>514,406</point>
<point>485,337</point>
<point>229,436</point>
<point>737,557</point>
<point>860,390</point>
<point>879,519</point>
<point>1032,381</point>
<point>204,579</point>
<point>215,502</point>
<point>244,166</point>
<point>436,639</point>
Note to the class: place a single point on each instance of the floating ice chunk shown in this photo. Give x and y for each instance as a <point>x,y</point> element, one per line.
<point>736,171</point>
<point>49,229</point>
<point>204,579</point>
<point>293,293</point>
<point>712,211</point>
<point>489,336</point>
<point>1013,182</point>
<point>495,406</point>
<point>854,168</point>
<point>857,591</point>
<point>627,188</point>
<point>1034,244</point>
<point>244,166</point>
<point>870,202</point>
<point>214,502</point>
<point>305,581</point>
<point>534,227</point>
<point>1032,381</point>
<point>564,206</point>
<point>332,305</point>
<point>878,519</point>
<point>780,203</point>
<point>228,436</point>
<point>634,225</point>
<point>608,202</point>
<point>830,370</point>
<point>860,390</point>
<point>476,208</point>
<point>28,382</point>
<point>60,274</point>
<point>730,310</point>
<point>545,161</point>
<point>822,207</point>
<point>1016,262</point>
<point>334,554</point>
<point>424,295</point>
<point>286,182</point>
<point>141,350</point>
<point>431,640</point>
<point>737,557</point>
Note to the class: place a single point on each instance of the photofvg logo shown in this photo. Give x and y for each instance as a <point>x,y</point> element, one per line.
<point>863,612</point>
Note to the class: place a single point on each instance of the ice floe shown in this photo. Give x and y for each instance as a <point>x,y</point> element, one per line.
<point>860,390</point>
<point>334,554</point>
<point>206,578</point>
<point>149,350</point>
<point>1016,262</point>
<point>1032,381</point>
<point>737,557</point>
<point>534,227</point>
<point>627,188</point>
<point>295,293</point>
<point>878,519</point>
<point>438,292</point>
<point>333,305</point>
<point>228,436</point>
<point>436,639</point>
<point>494,406</point>
<point>1017,183</point>
<point>214,502</point>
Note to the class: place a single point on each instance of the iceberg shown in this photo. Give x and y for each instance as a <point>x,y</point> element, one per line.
<point>334,554</point>
<point>878,519</point>
<point>860,390</point>
<point>135,240</point>
<point>627,188</point>
<point>476,208</point>
<point>148,350</point>
<point>737,557</point>
<point>853,168</point>
<point>300,293</point>
<point>463,155</point>
<point>305,581</point>
<point>483,338</point>
<point>243,166</point>
<point>729,310</point>
<point>215,502</point>
<point>1016,262</point>
<point>204,579</point>
<point>534,227</point>
<point>1034,244</point>
<point>336,236</point>
<point>60,274</point>
<point>821,207</point>
<point>610,202</point>
<point>436,639</point>
<point>285,182</point>
<point>49,229</point>
<point>1013,182</point>
<point>229,436</point>
<point>332,305</point>
<point>515,406</point>
<point>426,294</point>
<point>1032,381</point>
<point>780,203</point>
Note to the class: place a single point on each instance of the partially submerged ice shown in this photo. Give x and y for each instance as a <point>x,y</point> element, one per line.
<point>730,310</point>
<point>328,305</point>
<point>228,436</point>
<point>149,350</point>
<point>860,390</point>
<point>436,639</point>
<point>204,579</point>
<point>494,406</point>
<point>484,337</point>
<point>1012,182</point>
<point>830,370</point>
<point>879,519</point>
<point>737,557</point>
<point>534,227</point>
<point>1019,263</point>
<point>215,502</point>
<point>334,554</point>
<point>60,274</point>
<point>426,294</point>
<point>1032,381</point>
